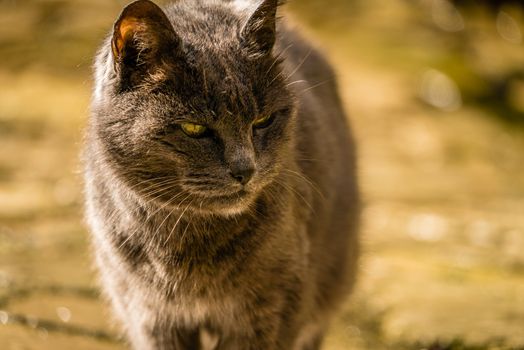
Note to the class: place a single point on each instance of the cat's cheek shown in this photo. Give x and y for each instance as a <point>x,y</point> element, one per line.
<point>269,139</point>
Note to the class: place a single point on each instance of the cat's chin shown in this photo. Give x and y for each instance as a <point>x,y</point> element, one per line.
<point>230,205</point>
<point>222,211</point>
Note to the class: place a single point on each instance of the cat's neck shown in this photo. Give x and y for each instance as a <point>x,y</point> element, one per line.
<point>184,238</point>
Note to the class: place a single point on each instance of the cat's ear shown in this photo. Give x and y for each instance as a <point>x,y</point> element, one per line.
<point>259,33</point>
<point>142,36</point>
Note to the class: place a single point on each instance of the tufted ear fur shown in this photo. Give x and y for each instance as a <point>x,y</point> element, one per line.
<point>259,34</point>
<point>142,37</point>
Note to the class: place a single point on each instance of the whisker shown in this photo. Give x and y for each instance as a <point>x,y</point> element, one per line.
<point>300,64</point>
<point>149,217</point>
<point>163,178</point>
<point>167,216</point>
<point>296,82</point>
<point>148,200</point>
<point>310,160</point>
<point>288,187</point>
<point>307,180</point>
<point>315,86</point>
<point>176,224</point>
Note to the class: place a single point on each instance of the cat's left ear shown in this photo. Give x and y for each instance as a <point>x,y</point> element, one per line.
<point>142,36</point>
<point>259,33</point>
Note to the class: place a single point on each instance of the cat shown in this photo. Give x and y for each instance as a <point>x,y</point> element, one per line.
<point>220,179</point>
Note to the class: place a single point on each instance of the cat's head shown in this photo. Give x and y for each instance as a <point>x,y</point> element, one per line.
<point>191,107</point>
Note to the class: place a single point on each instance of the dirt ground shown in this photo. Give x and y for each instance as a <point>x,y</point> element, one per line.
<point>441,174</point>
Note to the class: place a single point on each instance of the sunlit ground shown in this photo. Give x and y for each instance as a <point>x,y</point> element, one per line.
<point>441,169</point>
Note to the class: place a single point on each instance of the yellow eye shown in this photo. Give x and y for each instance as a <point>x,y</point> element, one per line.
<point>193,130</point>
<point>262,122</point>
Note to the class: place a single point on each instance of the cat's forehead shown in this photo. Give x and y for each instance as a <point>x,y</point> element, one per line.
<point>217,78</point>
<point>209,23</point>
<point>227,94</point>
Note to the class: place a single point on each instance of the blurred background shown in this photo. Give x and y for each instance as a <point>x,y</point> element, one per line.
<point>435,91</point>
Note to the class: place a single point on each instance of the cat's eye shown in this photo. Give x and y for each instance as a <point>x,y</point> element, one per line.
<point>263,122</point>
<point>193,130</point>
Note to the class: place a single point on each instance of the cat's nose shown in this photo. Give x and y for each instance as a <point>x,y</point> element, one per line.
<point>242,174</point>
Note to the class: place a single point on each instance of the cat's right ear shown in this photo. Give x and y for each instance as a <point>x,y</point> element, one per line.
<point>258,35</point>
<point>142,36</point>
<point>259,32</point>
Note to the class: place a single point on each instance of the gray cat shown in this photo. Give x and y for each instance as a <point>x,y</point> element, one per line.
<point>220,179</point>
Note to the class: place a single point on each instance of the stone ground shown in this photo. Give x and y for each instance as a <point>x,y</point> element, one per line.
<point>443,223</point>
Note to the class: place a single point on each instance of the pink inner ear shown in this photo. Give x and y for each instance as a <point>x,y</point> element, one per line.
<point>125,30</point>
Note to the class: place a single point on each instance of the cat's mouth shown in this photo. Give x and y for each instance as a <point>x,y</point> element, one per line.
<point>226,199</point>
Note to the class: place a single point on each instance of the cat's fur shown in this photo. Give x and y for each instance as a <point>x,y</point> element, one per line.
<point>190,256</point>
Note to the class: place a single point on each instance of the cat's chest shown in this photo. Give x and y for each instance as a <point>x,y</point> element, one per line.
<point>198,310</point>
